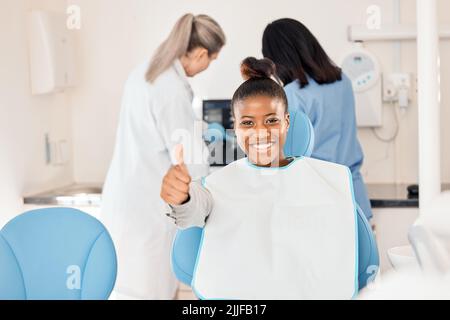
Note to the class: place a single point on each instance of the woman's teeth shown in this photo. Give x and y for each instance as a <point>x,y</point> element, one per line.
<point>262,146</point>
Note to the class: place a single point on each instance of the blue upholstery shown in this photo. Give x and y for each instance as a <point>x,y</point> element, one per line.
<point>369,260</point>
<point>184,253</point>
<point>300,127</point>
<point>56,254</point>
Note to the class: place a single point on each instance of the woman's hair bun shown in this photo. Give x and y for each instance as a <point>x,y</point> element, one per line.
<point>252,68</point>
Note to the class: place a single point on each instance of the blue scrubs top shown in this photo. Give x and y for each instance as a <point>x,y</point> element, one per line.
<point>331,109</point>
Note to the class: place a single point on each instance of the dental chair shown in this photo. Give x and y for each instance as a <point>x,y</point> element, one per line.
<point>187,242</point>
<point>56,254</point>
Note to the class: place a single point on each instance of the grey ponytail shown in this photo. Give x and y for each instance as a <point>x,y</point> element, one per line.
<point>188,33</point>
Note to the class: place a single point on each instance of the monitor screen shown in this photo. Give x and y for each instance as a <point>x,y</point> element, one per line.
<point>217,113</point>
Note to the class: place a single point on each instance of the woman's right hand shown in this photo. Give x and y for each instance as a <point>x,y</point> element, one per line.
<point>175,185</point>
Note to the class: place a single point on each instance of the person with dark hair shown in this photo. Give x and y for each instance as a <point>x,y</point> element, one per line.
<point>262,213</point>
<point>317,87</point>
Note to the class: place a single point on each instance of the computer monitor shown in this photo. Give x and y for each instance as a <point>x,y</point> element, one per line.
<point>217,113</point>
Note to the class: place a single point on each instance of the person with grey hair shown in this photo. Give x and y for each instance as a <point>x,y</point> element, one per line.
<point>157,103</point>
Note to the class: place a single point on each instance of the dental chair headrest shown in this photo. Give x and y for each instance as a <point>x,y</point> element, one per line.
<point>300,138</point>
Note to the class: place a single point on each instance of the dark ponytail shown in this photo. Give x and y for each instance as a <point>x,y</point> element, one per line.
<point>297,54</point>
<point>261,80</point>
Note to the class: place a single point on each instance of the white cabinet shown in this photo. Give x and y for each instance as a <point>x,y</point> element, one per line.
<point>391,229</point>
<point>51,52</point>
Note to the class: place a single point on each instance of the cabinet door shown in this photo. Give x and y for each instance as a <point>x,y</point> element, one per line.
<point>391,226</point>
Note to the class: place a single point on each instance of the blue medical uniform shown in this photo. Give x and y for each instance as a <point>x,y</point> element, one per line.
<point>331,109</point>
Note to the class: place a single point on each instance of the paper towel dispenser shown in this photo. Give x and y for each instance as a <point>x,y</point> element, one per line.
<point>51,52</point>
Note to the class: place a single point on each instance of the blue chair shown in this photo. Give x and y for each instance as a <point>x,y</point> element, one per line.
<point>184,253</point>
<point>300,137</point>
<point>368,257</point>
<point>187,242</point>
<point>56,254</point>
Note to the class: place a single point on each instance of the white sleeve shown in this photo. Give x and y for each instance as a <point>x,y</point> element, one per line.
<point>176,124</point>
<point>195,212</point>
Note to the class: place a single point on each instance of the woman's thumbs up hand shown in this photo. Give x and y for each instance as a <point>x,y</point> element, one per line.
<point>175,185</point>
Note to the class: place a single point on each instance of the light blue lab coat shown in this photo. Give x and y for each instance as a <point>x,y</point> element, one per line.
<point>331,109</point>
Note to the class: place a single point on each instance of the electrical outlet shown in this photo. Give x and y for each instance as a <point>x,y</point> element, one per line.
<point>56,151</point>
<point>389,90</point>
<point>397,87</point>
<point>389,93</point>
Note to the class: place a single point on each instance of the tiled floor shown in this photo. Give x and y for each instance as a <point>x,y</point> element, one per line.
<point>185,293</point>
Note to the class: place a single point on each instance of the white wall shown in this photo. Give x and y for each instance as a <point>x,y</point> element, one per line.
<point>25,119</point>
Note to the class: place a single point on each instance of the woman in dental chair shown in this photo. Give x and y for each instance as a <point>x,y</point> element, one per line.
<point>274,227</point>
